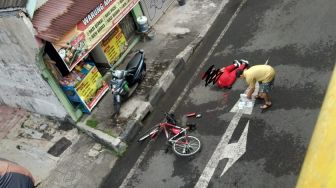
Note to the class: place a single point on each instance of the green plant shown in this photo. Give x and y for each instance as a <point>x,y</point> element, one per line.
<point>92,123</point>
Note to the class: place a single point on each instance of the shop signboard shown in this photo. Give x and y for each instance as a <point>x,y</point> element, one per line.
<point>77,43</point>
<point>91,88</point>
<point>84,86</point>
<point>114,45</point>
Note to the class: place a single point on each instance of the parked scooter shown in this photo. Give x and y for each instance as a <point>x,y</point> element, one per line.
<point>124,82</point>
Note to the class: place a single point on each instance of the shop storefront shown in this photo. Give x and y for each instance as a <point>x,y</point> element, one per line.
<point>79,59</point>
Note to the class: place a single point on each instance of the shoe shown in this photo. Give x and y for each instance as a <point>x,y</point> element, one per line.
<point>236,63</point>
<point>243,61</point>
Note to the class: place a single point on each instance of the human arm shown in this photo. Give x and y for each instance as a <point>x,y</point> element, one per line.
<point>251,83</point>
<point>250,92</point>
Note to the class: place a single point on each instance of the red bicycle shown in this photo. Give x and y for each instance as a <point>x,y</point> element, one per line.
<point>182,143</point>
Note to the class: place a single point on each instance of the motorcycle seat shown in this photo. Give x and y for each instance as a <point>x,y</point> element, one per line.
<point>132,65</point>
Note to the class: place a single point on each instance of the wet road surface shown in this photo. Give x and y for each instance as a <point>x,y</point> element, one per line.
<point>298,37</point>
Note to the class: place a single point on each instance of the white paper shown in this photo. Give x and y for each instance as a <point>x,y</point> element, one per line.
<point>244,102</point>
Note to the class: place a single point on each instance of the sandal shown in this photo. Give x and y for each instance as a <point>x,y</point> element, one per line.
<point>265,107</point>
<point>257,97</point>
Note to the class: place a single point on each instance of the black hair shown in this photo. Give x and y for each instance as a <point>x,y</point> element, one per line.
<point>239,72</point>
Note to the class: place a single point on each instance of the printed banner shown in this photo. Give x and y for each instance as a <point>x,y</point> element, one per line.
<point>88,87</point>
<point>114,45</point>
<point>77,43</point>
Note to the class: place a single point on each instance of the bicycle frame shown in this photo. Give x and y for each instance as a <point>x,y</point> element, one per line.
<point>177,137</point>
<point>168,126</point>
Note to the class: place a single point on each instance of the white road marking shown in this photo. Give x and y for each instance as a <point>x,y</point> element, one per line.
<point>224,150</point>
<point>235,150</point>
<point>219,153</point>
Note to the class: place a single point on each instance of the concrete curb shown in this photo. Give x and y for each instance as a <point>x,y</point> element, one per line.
<point>115,143</point>
<point>131,130</point>
<point>133,125</point>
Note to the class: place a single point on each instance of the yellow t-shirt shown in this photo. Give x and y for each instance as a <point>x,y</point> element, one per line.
<point>259,73</point>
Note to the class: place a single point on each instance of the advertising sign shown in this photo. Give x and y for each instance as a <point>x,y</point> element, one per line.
<point>114,45</point>
<point>77,43</point>
<point>90,86</point>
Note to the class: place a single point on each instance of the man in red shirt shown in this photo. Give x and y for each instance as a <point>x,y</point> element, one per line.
<point>226,76</point>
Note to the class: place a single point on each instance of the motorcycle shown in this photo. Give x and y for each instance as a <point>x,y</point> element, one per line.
<point>124,82</point>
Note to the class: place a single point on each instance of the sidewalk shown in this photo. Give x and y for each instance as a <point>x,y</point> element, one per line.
<point>59,155</point>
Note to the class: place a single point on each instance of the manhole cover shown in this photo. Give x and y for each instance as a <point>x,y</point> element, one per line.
<point>59,147</point>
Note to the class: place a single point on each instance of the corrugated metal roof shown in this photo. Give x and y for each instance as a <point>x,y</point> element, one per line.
<point>56,17</point>
<point>12,3</point>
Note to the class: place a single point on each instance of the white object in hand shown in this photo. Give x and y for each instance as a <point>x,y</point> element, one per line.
<point>244,102</point>
<point>244,98</point>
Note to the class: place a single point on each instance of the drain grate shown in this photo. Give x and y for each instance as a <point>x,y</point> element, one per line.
<point>59,147</point>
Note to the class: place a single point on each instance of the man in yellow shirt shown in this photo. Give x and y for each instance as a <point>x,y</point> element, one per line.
<point>264,75</point>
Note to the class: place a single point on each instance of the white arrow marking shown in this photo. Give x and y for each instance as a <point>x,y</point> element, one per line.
<point>235,150</point>
<point>219,153</point>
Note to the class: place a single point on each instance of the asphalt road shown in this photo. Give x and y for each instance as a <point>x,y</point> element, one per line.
<point>298,37</point>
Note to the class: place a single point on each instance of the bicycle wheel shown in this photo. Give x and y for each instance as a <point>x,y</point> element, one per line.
<point>151,132</point>
<point>186,146</point>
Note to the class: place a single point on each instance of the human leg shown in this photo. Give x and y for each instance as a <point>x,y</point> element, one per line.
<point>242,67</point>
<point>264,91</point>
<point>266,98</point>
<point>243,61</point>
<point>230,68</point>
<point>259,96</point>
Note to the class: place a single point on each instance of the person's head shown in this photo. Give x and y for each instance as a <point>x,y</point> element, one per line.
<point>239,73</point>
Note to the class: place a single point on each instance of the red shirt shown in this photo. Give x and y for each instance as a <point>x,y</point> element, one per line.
<point>226,80</point>
<point>228,77</point>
